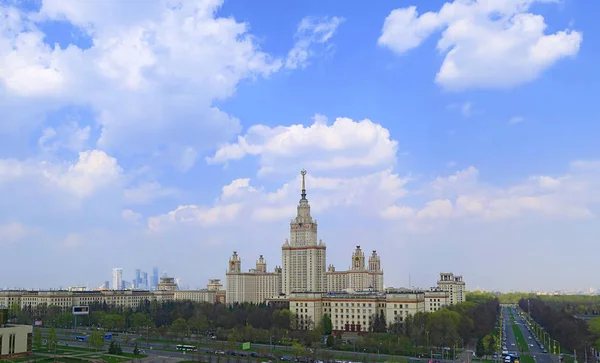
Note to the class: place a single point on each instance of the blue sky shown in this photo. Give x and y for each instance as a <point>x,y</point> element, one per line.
<point>454,136</point>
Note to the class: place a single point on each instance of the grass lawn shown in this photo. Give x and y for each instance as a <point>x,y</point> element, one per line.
<point>135,356</point>
<point>481,360</point>
<point>527,359</point>
<point>521,342</point>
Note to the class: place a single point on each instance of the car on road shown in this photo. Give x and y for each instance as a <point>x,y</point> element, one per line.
<point>512,344</point>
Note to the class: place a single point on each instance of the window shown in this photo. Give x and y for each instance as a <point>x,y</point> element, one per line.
<point>11,344</point>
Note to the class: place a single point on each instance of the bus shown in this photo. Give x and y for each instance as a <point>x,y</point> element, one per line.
<point>81,338</point>
<point>187,348</point>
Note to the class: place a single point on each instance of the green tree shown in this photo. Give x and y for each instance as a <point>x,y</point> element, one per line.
<point>96,339</point>
<point>298,349</point>
<point>330,341</point>
<point>480,348</point>
<point>136,351</point>
<point>490,344</point>
<point>37,338</point>
<point>594,329</point>
<point>198,324</point>
<point>282,319</point>
<point>326,324</point>
<point>52,340</point>
<point>179,327</point>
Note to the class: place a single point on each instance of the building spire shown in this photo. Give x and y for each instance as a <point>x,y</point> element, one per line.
<point>303,173</point>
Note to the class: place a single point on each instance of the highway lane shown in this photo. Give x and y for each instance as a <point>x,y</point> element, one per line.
<point>166,355</point>
<point>511,340</point>
<point>536,351</point>
<point>285,350</point>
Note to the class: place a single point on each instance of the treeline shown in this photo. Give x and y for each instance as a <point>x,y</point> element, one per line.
<point>463,324</point>
<point>581,305</point>
<point>572,333</point>
<point>460,325</point>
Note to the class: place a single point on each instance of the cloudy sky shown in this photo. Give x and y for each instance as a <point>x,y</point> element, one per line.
<point>458,136</point>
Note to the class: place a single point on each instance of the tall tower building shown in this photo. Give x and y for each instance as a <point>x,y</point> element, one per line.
<point>117,279</point>
<point>454,285</point>
<point>303,256</point>
<point>154,278</point>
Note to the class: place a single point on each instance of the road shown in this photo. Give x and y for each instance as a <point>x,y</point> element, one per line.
<point>535,351</point>
<point>511,341</point>
<point>66,336</point>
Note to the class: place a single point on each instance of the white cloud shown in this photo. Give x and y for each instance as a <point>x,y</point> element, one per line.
<point>73,240</point>
<point>311,31</point>
<point>68,136</point>
<point>516,120</point>
<point>240,200</point>
<point>151,75</point>
<point>12,232</point>
<point>94,170</point>
<point>147,192</point>
<point>130,216</point>
<point>466,109</point>
<point>487,44</point>
<point>463,195</point>
<point>194,215</point>
<point>319,147</point>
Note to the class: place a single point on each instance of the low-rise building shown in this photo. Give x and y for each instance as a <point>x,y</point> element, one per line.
<point>167,284</point>
<point>436,299</point>
<point>15,340</point>
<point>255,286</point>
<point>67,299</point>
<point>355,311</point>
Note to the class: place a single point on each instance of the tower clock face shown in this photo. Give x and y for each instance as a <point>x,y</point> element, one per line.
<point>357,258</point>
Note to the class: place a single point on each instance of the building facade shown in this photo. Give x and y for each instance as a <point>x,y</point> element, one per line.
<point>303,255</point>
<point>15,341</point>
<point>117,279</point>
<point>255,286</point>
<point>355,311</point>
<point>200,296</point>
<point>167,284</point>
<point>454,285</point>
<point>436,299</point>
<point>359,276</point>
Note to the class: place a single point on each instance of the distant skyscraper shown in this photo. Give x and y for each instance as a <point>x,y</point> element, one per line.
<point>117,279</point>
<point>154,278</point>
<point>138,279</point>
<point>144,280</point>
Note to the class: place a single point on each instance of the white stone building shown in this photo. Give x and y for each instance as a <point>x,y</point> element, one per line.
<point>358,276</point>
<point>454,285</point>
<point>355,311</point>
<point>15,341</point>
<point>214,293</point>
<point>303,256</point>
<point>67,299</point>
<point>255,286</point>
<point>436,299</point>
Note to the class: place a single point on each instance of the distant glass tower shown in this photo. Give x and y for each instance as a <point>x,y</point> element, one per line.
<point>138,279</point>
<point>154,278</point>
<point>145,280</point>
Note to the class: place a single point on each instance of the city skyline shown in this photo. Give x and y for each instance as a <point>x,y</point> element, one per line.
<point>171,136</point>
